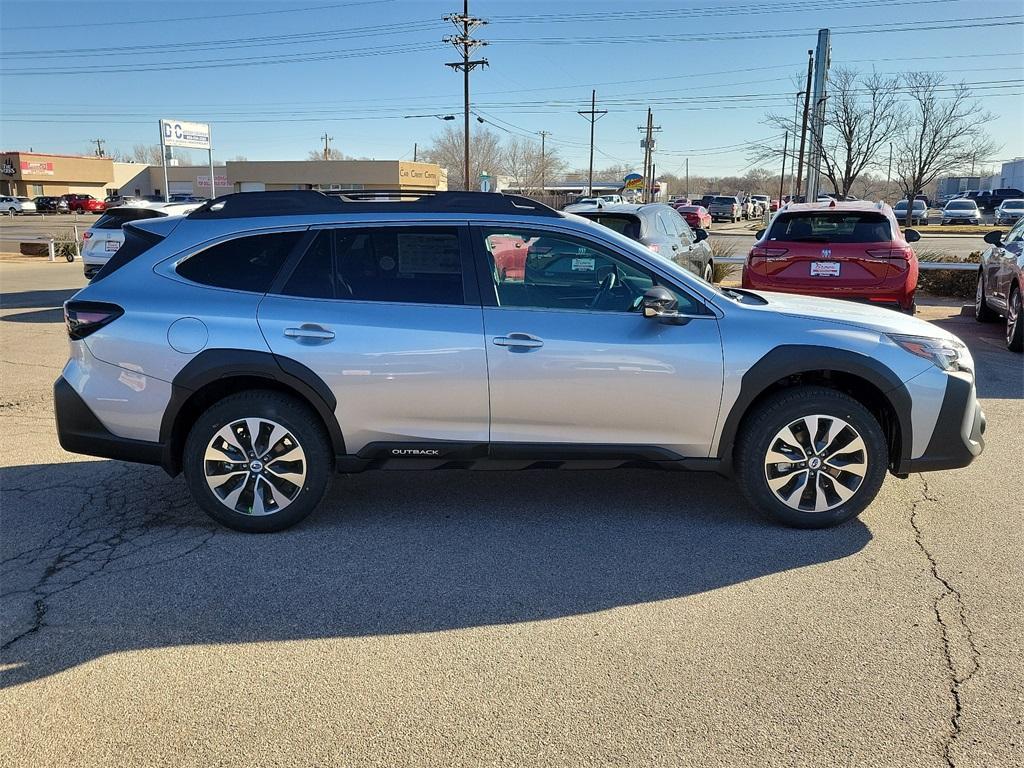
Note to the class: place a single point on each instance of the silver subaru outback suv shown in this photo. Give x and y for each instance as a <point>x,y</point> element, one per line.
<point>269,338</point>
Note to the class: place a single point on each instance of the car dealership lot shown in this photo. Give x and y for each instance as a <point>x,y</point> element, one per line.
<point>586,618</point>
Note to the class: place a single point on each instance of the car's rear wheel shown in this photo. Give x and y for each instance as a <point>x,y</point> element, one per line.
<point>709,273</point>
<point>983,313</point>
<point>257,461</point>
<point>1014,322</point>
<point>811,457</point>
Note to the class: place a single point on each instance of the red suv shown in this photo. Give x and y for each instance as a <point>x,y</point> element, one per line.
<point>84,203</point>
<point>837,250</point>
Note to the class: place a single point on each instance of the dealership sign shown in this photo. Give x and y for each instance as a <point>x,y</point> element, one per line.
<point>36,168</point>
<point>633,181</point>
<point>178,133</point>
<point>204,181</point>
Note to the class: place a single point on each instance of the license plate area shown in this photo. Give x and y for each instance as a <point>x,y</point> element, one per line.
<point>112,245</point>
<point>825,268</point>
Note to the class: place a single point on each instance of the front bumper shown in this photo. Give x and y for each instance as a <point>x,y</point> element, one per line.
<point>959,434</point>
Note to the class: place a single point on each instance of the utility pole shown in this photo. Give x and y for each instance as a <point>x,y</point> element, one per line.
<point>465,45</point>
<point>415,147</point>
<point>648,146</point>
<point>327,145</point>
<point>796,118</point>
<point>822,59</point>
<point>888,174</point>
<point>99,147</point>
<point>593,115</point>
<point>543,160</point>
<point>803,127</point>
<point>782,180</point>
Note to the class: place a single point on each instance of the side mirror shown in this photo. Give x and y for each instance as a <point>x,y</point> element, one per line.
<point>911,235</point>
<point>659,302</point>
<point>700,234</point>
<point>994,238</point>
<point>759,234</point>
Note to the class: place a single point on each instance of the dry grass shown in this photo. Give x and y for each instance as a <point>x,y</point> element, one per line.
<point>723,247</point>
<point>958,284</point>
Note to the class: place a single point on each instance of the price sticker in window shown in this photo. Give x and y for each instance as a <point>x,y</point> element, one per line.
<point>583,265</point>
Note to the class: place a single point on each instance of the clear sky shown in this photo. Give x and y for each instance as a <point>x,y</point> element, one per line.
<point>76,71</point>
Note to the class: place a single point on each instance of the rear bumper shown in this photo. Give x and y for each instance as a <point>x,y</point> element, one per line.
<point>959,434</point>
<point>892,292</point>
<point>80,431</point>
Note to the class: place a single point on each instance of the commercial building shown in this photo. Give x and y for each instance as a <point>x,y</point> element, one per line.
<point>326,175</point>
<point>1011,174</point>
<point>30,174</point>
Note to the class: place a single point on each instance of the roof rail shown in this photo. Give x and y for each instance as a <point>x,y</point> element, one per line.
<point>306,201</point>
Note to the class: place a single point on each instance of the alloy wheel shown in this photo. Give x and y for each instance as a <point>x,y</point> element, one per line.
<point>816,463</point>
<point>254,466</point>
<point>1013,312</point>
<point>979,296</point>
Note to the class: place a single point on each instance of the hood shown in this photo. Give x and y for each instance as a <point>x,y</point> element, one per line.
<point>878,319</point>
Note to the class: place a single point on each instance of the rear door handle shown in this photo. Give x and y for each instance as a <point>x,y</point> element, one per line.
<point>309,331</point>
<point>518,340</point>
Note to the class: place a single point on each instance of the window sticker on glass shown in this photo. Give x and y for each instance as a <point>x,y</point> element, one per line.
<point>428,254</point>
<point>583,265</point>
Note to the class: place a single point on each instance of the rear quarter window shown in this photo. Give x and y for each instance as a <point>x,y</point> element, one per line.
<point>115,219</point>
<point>243,264</point>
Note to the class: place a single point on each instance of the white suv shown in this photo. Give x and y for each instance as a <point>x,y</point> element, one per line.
<point>103,238</point>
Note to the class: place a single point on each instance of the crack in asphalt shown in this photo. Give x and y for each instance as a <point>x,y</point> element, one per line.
<point>122,522</point>
<point>957,677</point>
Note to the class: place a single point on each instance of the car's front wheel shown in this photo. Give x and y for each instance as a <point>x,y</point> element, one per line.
<point>811,457</point>
<point>257,461</point>
<point>709,273</point>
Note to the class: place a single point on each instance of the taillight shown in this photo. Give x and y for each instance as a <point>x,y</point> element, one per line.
<point>654,247</point>
<point>759,251</point>
<point>86,235</point>
<point>85,317</point>
<point>891,253</point>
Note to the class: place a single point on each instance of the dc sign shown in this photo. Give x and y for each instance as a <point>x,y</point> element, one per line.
<point>180,133</point>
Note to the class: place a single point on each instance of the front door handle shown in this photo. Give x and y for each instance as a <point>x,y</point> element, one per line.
<point>518,341</point>
<point>309,331</point>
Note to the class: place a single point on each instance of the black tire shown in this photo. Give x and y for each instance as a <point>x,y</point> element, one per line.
<point>775,414</point>
<point>301,422</point>
<point>983,313</point>
<point>1014,322</point>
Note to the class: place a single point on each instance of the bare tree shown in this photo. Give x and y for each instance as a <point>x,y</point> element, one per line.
<point>526,167</point>
<point>332,154</point>
<point>861,115</point>
<point>943,133</point>
<point>150,154</point>
<point>485,154</point>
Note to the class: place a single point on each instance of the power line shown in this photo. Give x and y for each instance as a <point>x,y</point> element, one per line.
<point>165,20</point>
<point>708,37</point>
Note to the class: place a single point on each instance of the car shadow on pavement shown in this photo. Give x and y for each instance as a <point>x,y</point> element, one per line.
<point>35,316</point>
<point>36,299</point>
<point>1000,372</point>
<point>102,557</point>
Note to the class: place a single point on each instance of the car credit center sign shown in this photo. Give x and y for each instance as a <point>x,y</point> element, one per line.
<point>178,133</point>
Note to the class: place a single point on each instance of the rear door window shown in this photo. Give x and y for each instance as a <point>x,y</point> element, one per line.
<point>845,227</point>
<point>415,265</point>
<point>623,224</point>
<point>243,264</point>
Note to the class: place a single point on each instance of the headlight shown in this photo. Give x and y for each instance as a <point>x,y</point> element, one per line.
<point>947,354</point>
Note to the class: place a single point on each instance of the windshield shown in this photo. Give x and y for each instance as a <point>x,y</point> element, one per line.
<point>961,205</point>
<point>828,227</point>
<point>1015,205</point>
<point>918,205</point>
<point>724,200</point>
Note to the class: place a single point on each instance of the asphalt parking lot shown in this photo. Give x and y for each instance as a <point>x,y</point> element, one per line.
<point>497,618</point>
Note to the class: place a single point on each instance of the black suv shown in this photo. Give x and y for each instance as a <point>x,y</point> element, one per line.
<point>990,199</point>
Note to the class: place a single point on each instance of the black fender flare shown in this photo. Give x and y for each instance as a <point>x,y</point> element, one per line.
<point>794,359</point>
<point>212,365</point>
